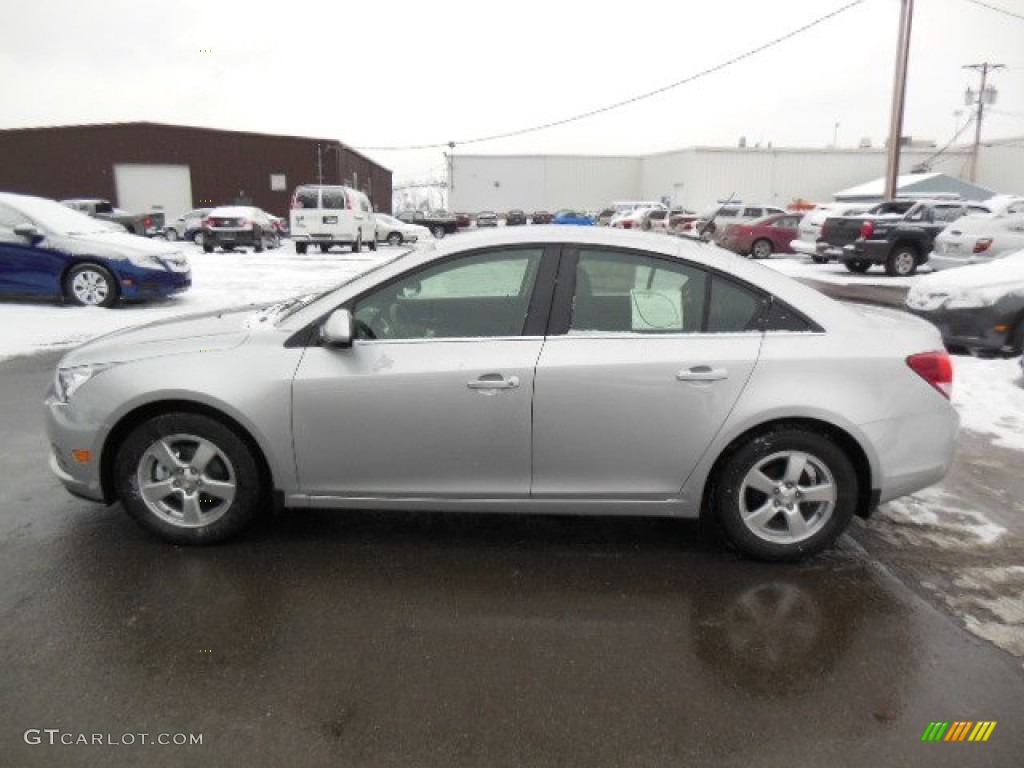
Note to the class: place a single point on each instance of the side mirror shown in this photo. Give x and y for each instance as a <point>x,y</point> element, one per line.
<point>337,330</point>
<point>29,232</point>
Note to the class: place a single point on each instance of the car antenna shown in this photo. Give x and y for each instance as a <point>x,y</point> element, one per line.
<point>709,222</point>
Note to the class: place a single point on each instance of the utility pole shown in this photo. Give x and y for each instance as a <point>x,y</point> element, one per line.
<point>451,173</point>
<point>984,94</point>
<point>899,92</point>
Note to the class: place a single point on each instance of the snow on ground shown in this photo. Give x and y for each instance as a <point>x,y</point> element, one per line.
<point>835,272</point>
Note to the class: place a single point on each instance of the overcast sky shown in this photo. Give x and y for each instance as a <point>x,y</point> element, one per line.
<point>454,70</point>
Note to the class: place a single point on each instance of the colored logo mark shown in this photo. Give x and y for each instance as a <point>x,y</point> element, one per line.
<point>959,730</point>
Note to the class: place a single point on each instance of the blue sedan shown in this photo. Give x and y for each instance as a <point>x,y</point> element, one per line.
<point>50,251</point>
<point>567,216</point>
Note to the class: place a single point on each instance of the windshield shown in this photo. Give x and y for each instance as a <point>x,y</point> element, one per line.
<point>56,218</point>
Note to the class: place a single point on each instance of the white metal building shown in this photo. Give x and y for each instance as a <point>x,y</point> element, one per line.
<point>696,177</point>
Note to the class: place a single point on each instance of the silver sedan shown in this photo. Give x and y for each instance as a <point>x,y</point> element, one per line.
<point>522,370</point>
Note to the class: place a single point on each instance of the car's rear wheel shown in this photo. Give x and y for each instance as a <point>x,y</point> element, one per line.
<point>395,238</point>
<point>325,247</point>
<point>188,478</point>
<point>207,248</point>
<point>761,249</point>
<point>300,248</point>
<point>786,494</point>
<point>171,234</point>
<point>357,246</point>
<point>90,285</point>
<point>437,231</point>
<point>858,265</point>
<point>258,239</point>
<point>820,259</point>
<point>197,237</point>
<point>372,245</point>
<point>902,262</point>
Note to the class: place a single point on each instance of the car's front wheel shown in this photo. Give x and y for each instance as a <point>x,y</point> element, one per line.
<point>859,266</point>
<point>395,238</point>
<point>188,478</point>
<point>171,234</point>
<point>786,494</point>
<point>91,286</point>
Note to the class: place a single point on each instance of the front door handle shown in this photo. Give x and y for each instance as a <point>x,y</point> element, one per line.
<point>702,373</point>
<point>494,381</point>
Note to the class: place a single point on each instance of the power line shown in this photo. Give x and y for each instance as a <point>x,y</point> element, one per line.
<point>996,9</point>
<point>633,99</point>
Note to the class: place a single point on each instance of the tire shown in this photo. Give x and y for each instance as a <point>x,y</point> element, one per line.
<point>300,248</point>
<point>395,238</point>
<point>762,249</point>
<point>197,237</point>
<point>90,285</point>
<point>207,248</point>
<point>820,259</point>
<point>437,231</point>
<point>902,262</point>
<point>259,245</point>
<point>171,234</point>
<point>357,246</point>
<point>760,494</point>
<point>372,245</point>
<point>860,266</point>
<point>183,500</point>
<point>325,247</point>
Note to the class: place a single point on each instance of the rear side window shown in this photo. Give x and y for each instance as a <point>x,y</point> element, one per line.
<point>733,308</point>
<point>334,199</point>
<point>306,198</point>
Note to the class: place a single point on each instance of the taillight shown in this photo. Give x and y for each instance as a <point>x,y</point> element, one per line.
<point>207,222</point>
<point>149,222</point>
<point>982,245</point>
<point>936,368</point>
<point>866,229</point>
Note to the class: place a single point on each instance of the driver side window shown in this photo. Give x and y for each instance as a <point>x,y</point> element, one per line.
<point>481,295</point>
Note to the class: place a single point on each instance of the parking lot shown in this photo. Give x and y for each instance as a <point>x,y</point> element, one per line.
<point>457,639</point>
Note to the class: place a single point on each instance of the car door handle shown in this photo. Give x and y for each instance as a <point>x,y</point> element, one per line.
<point>494,381</point>
<point>702,373</point>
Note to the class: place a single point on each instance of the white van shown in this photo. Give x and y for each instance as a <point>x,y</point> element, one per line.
<point>326,215</point>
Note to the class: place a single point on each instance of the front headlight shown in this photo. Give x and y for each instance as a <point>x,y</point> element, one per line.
<point>68,380</point>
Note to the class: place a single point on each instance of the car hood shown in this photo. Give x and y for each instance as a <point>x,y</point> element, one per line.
<point>113,245</point>
<point>205,332</point>
<point>1007,272</point>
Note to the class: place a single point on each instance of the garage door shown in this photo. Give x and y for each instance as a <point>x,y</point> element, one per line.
<point>166,188</point>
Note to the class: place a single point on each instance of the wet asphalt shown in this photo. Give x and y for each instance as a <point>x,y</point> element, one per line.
<point>368,639</point>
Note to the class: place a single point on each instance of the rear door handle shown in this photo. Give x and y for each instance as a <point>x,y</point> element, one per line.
<point>494,381</point>
<point>702,373</point>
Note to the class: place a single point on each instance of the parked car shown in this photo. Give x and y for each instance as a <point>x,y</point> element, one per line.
<point>979,308</point>
<point>716,217</point>
<point>148,224</point>
<point>187,227</point>
<point>515,218</point>
<point>604,217</point>
<point>440,223</point>
<point>462,220</point>
<point>633,218</point>
<point>395,231</point>
<point>902,245</point>
<point>569,216</point>
<point>541,217</point>
<point>48,250</point>
<point>234,226</point>
<point>761,238</point>
<point>682,222</point>
<point>487,219</point>
<point>809,228</point>
<point>838,231</point>
<point>977,240</point>
<point>592,371</point>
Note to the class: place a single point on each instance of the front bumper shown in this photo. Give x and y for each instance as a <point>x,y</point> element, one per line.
<point>68,434</point>
<point>973,328</point>
<point>141,283</point>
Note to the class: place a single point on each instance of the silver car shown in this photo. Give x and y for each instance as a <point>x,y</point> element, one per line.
<point>543,369</point>
<point>977,240</point>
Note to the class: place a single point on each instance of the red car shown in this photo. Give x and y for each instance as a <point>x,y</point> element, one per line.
<point>762,237</point>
